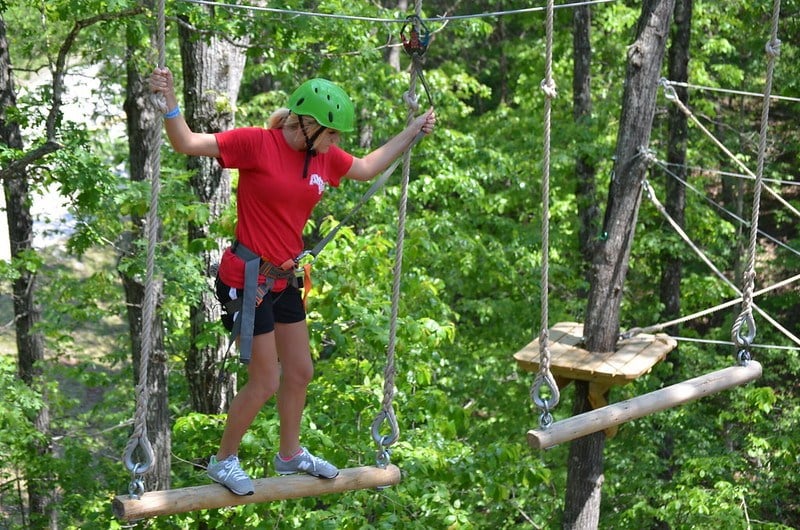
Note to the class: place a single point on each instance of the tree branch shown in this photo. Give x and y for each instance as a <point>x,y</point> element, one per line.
<point>61,61</point>
<point>17,167</point>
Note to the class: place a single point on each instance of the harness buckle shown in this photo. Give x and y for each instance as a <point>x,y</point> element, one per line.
<point>305,257</point>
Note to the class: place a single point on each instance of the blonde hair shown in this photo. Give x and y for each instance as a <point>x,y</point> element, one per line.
<point>283,118</point>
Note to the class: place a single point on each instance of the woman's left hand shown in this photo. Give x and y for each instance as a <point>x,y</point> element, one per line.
<point>426,122</point>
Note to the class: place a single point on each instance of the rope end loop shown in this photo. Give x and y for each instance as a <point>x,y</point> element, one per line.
<point>549,399</point>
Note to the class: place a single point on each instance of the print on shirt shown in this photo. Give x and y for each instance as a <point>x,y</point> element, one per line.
<point>317,181</point>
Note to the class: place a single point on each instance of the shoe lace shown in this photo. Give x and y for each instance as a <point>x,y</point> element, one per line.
<point>317,463</point>
<point>234,470</point>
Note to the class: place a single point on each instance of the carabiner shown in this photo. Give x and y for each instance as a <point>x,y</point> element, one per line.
<point>304,257</point>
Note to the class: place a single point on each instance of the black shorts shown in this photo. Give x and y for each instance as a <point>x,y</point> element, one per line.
<point>285,307</point>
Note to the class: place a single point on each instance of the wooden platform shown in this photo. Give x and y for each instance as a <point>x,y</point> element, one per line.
<point>569,361</point>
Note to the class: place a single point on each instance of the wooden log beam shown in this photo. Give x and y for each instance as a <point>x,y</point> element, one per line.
<point>210,496</point>
<point>637,407</point>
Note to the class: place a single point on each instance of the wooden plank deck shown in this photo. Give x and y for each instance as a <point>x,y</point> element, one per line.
<point>635,357</point>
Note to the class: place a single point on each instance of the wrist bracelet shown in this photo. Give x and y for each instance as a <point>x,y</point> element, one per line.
<point>174,113</point>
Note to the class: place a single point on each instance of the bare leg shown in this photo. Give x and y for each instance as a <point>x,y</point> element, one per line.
<point>263,377</point>
<point>297,370</point>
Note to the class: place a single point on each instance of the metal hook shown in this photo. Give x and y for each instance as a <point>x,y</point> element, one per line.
<point>669,90</point>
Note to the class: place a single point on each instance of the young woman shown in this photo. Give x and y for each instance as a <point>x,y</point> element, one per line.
<point>283,172</point>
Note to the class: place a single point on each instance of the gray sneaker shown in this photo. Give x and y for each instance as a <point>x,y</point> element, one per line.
<point>305,462</point>
<point>230,474</point>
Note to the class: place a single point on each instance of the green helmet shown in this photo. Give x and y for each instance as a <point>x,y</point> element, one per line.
<point>325,102</point>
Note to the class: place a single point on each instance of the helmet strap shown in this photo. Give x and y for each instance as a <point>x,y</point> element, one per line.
<point>310,151</point>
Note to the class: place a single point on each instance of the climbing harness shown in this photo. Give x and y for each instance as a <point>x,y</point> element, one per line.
<point>244,308</point>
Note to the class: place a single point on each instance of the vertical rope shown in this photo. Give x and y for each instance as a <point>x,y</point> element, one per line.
<point>545,377</point>
<point>745,319</point>
<point>387,409</point>
<point>139,438</point>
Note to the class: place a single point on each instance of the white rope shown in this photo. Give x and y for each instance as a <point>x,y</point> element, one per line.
<point>544,378</point>
<point>701,171</point>
<point>138,438</point>
<point>669,93</point>
<point>658,327</point>
<point>721,208</point>
<point>387,413</point>
<point>744,328</point>
<point>731,91</point>
<point>731,343</point>
<point>443,18</point>
<point>651,194</point>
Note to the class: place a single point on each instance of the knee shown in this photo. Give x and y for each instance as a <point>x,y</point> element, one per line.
<point>262,388</point>
<point>298,374</point>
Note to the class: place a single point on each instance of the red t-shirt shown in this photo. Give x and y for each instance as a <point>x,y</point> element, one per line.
<point>274,201</point>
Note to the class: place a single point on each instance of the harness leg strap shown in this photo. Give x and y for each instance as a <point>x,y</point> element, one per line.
<point>247,315</point>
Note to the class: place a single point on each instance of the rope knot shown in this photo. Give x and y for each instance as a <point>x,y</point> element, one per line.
<point>773,48</point>
<point>549,88</point>
<point>159,102</point>
<point>647,154</point>
<point>412,100</point>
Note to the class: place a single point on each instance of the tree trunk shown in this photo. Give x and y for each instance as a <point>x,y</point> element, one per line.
<point>676,154</point>
<point>675,204</point>
<point>212,74</point>
<point>586,188</point>
<point>144,142</point>
<point>392,54</point>
<point>30,344</point>
<point>610,264</point>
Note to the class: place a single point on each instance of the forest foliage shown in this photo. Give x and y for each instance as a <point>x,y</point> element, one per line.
<point>470,284</point>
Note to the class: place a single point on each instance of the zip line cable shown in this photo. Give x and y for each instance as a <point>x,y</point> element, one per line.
<point>731,343</point>
<point>659,327</point>
<point>443,18</point>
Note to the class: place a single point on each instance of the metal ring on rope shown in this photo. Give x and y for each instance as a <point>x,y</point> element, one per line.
<point>139,468</point>
<point>545,402</point>
<point>383,456</point>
